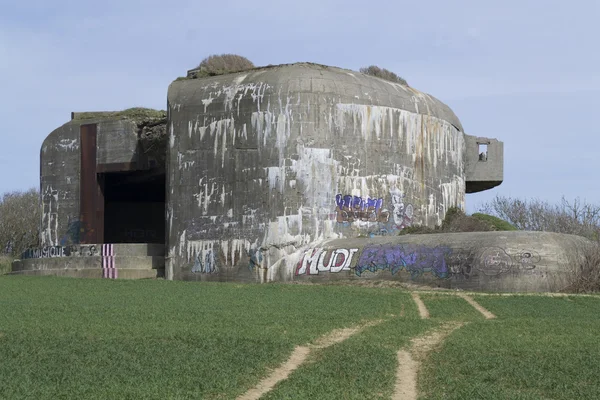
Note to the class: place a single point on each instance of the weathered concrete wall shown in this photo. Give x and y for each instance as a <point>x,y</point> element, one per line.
<point>60,164</point>
<point>482,261</point>
<point>483,170</point>
<point>264,162</point>
<point>118,143</point>
<point>59,186</point>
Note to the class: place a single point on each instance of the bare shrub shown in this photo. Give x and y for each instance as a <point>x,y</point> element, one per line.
<point>223,64</point>
<point>584,274</point>
<point>5,265</point>
<point>383,73</point>
<point>19,222</point>
<point>576,217</point>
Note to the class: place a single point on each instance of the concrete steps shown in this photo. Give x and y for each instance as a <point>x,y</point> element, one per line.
<point>132,261</point>
<point>120,262</point>
<point>95,273</point>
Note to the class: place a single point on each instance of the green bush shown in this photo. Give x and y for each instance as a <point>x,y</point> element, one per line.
<point>383,73</point>
<point>497,223</point>
<point>457,221</point>
<point>222,64</point>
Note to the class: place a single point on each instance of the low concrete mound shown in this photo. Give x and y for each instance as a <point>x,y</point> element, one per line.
<point>481,261</point>
<point>516,261</point>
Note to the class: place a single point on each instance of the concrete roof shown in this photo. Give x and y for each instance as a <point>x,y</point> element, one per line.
<point>361,88</point>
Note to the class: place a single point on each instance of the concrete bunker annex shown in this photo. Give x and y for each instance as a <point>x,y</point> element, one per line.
<point>246,172</point>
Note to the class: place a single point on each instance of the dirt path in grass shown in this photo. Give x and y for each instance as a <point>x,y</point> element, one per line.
<point>409,361</point>
<point>299,356</point>
<point>477,306</point>
<point>296,359</point>
<point>423,312</point>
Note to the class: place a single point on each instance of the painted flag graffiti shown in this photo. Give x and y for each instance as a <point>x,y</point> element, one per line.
<point>109,270</point>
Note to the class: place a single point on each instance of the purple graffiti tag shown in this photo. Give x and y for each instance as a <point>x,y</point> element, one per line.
<point>375,258</point>
<point>415,260</point>
<point>355,208</point>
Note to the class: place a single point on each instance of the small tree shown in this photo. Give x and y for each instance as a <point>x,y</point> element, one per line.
<point>19,222</point>
<point>223,64</point>
<point>383,73</point>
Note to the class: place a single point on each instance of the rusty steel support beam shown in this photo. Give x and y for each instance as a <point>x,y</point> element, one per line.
<point>91,196</point>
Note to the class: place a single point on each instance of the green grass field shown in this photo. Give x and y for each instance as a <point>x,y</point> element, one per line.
<point>154,339</point>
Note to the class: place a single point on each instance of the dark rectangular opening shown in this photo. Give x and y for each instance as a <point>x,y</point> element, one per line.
<point>483,151</point>
<point>134,206</point>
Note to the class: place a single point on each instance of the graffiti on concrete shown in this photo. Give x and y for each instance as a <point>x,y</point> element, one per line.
<point>416,260</point>
<point>319,260</point>
<point>526,259</point>
<point>496,261</point>
<point>49,216</point>
<point>378,231</point>
<point>256,258</point>
<point>355,208</point>
<point>74,232</point>
<point>60,251</point>
<point>401,213</point>
<point>205,263</point>
<point>460,265</point>
<point>440,262</point>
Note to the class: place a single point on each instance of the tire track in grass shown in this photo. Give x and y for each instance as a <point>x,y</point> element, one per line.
<point>477,306</point>
<point>298,357</point>
<point>409,361</point>
<point>423,312</point>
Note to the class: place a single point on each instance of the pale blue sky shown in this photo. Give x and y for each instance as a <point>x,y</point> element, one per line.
<point>525,72</point>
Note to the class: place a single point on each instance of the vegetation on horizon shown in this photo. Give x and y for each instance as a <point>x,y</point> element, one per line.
<point>20,214</point>
<point>572,217</point>
<point>456,220</point>
<point>383,73</point>
<point>140,115</point>
<point>220,64</point>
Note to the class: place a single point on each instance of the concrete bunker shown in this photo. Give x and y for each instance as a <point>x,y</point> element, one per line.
<point>248,175</point>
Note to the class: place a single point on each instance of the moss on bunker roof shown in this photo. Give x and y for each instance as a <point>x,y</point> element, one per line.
<point>139,115</point>
<point>197,74</point>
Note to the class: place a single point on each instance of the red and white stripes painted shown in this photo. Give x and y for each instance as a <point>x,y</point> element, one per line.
<point>109,270</point>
